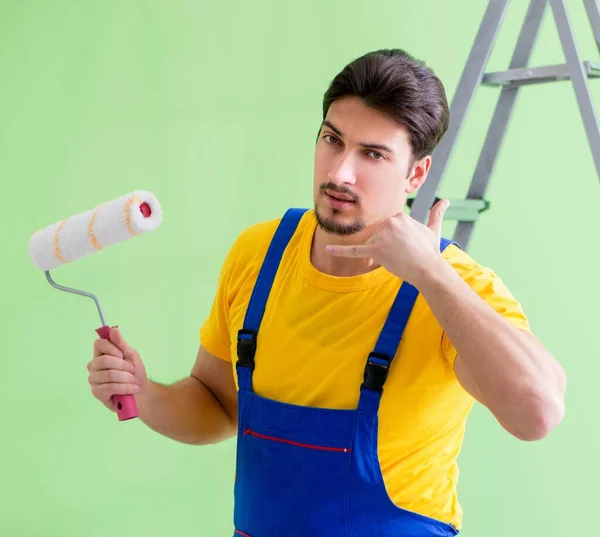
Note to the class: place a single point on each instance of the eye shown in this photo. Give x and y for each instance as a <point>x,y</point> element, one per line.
<point>330,138</point>
<point>377,155</point>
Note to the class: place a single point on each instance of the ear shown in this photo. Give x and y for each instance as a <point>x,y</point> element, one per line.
<point>418,174</point>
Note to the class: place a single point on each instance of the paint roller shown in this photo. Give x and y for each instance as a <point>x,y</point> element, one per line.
<point>86,233</point>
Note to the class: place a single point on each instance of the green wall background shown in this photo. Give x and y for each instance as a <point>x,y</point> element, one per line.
<point>214,108</point>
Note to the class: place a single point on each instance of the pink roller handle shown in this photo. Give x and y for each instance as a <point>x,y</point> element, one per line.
<point>125,404</point>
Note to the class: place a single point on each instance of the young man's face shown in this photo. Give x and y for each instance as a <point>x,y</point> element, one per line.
<point>364,168</point>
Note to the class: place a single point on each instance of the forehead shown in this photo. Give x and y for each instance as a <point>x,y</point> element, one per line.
<point>359,123</point>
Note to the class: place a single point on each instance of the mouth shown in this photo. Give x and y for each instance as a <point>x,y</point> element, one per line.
<point>338,196</point>
<point>339,201</point>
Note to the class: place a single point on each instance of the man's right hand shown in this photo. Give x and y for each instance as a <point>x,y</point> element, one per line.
<point>198,409</point>
<point>115,368</point>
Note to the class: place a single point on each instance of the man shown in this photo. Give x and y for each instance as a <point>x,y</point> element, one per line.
<point>348,359</point>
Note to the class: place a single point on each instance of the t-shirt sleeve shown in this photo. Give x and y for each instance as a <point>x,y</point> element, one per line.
<point>215,333</point>
<point>490,287</point>
<point>241,265</point>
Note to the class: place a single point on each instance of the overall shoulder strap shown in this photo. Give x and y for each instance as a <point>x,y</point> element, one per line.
<point>444,243</point>
<point>380,360</point>
<point>246,345</point>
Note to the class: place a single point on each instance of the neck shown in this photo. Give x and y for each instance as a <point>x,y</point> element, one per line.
<point>339,266</point>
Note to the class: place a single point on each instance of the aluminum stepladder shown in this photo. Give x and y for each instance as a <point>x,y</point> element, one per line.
<point>466,212</point>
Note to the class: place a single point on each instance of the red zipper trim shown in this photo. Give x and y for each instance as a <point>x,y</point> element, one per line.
<point>241,533</point>
<point>250,432</point>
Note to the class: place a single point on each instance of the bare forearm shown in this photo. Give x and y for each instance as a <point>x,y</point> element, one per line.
<point>185,411</point>
<point>509,371</point>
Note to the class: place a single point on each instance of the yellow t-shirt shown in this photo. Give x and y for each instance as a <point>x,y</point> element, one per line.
<point>314,340</point>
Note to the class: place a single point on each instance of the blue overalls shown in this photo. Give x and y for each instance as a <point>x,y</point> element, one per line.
<point>314,472</point>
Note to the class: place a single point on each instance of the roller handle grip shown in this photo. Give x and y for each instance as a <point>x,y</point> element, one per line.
<point>124,403</point>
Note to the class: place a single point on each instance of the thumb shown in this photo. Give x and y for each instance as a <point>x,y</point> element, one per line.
<point>436,216</point>
<point>116,338</point>
<point>129,354</point>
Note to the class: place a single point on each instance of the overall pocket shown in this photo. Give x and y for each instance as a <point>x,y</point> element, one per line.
<point>292,487</point>
<point>250,432</point>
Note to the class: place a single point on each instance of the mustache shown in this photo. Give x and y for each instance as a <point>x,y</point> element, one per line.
<point>339,189</point>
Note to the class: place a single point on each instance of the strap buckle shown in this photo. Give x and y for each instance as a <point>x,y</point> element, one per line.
<point>376,371</point>
<point>246,348</point>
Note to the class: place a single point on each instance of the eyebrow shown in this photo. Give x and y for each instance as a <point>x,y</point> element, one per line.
<point>362,144</point>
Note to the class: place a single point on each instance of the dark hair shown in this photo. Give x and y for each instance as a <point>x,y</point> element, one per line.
<point>393,82</point>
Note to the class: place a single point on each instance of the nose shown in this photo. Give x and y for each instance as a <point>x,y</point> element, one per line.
<point>343,171</point>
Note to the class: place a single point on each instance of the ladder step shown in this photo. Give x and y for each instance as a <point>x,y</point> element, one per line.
<point>465,210</point>
<point>537,75</point>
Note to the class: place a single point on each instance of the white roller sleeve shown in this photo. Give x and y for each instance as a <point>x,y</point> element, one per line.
<point>91,231</point>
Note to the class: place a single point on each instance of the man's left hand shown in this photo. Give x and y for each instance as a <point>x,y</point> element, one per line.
<point>402,245</point>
